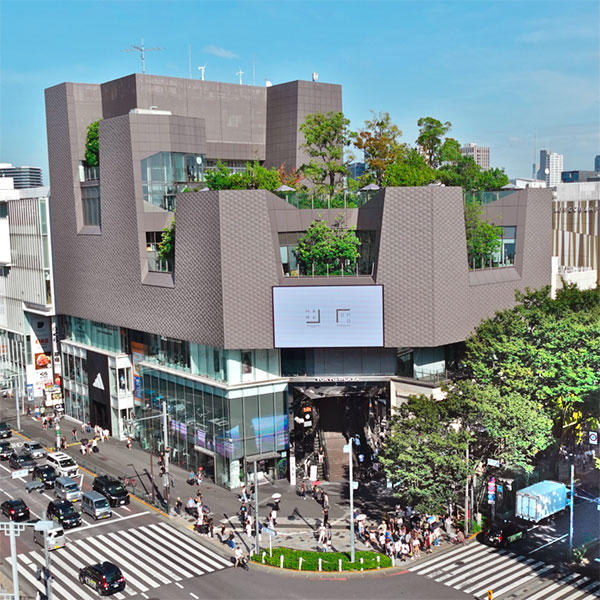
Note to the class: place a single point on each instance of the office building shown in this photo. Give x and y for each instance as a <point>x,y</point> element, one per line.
<point>579,176</point>
<point>525,182</point>
<point>597,163</point>
<point>480,154</point>
<point>29,358</point>
<point>257,357</point>
<point>23,177</point>
<point>551,166</point>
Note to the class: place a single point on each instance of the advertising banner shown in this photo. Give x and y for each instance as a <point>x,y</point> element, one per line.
<point>328,316</point>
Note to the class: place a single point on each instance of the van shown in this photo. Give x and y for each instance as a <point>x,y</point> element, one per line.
<point>56,537</point>
<point>62,463</point>
<point>95,505</point>
<point>67,489</point>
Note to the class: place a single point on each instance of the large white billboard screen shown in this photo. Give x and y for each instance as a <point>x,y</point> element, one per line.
<point>328,316</point>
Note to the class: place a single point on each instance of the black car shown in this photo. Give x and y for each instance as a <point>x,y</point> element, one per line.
<point>104,577</point>
<point>15,510</point>
<point>64,512</point>
<point>5,450</point>
<point>21,461</point>
<point>5,430</point>
<point>44,473</point>
<point>112,489</point>
<point>502,534</point>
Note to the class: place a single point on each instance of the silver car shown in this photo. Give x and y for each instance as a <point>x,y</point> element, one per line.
<point>34,449</point>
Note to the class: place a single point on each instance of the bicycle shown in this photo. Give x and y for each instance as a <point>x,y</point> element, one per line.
<point>128,481</point>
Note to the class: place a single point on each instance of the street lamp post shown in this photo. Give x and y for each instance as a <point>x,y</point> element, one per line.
<point>348,449</point>
<point>257,542</point>
<point>166,454</point>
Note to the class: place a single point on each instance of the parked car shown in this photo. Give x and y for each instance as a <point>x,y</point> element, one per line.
<point>21,461</point>
<point>34,449</point>
<point>502,534</point>
<point>106,578</point>
<point>64,512</point>
<point>5,450</point>
<point>5,430</point>
<point>63,464</point>
<point>112,490</point>
<point>46,474</point>
<point>15,510</point>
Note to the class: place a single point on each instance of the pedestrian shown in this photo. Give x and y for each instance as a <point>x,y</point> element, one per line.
<point>211,528</point>
<point>303,490</point>
<point>322,536</point>
<point>200,475</point>
<point>178,505</point>
<point>191,478</point>
<point>325,516</point>
<point>325,499</point>
<point>82,448</point>
<point>74,432</point>
<point>190,506</point>
<point>106,434</point>
<point>63,442</point>
<point>321,455</point>
<point>95,448</point>
<point>230,539</point>
<point>222,534</point>
<point>249,526</point>
<point>129,443</point>
<point>44,423</point>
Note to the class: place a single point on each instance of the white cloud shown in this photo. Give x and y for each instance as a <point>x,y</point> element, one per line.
<point>220,52</point>
<point>552,30</point>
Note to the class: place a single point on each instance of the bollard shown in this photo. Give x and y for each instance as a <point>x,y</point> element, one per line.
<point>263,557</point>
<point>490,594</point>
<point>340,565</point>
<point>320,569</point>
<point>300,564</point>
<point>281,562</point>
<point>361,563</point>
<point>378,562</point>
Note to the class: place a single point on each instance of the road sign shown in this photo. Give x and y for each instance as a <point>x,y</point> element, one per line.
<point>355,485</point>
<point>593,438</point>
<point>268,531</point>
<point>493,463</point>
<point>20,473</point>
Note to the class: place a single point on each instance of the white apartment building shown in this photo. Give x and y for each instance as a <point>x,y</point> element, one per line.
<point>551,167</point>
<point>480,154</point>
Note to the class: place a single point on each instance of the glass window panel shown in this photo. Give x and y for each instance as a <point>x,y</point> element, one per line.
<point>251,424</point>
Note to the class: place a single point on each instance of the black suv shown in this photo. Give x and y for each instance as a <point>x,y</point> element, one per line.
<point>64,512</point>
<point>5,430</point>
<point>16,510</point>
<point>104,577</point>
<point>112,489</point>
<point>21,461</point>
<point>5,450</point>
<point>44,473</point>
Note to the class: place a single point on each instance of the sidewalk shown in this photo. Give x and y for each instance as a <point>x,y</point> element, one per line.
<point>298,520</point>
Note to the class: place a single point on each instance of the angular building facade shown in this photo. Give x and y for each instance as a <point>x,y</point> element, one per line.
<point>257,358</point>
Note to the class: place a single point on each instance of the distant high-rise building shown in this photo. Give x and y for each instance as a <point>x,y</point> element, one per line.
<point>480,154</point>
<point>551,166</point>
<point>23,177</point>
<point>597,163</point>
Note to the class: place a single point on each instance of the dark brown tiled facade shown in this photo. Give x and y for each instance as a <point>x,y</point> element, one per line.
<point>203,333</point>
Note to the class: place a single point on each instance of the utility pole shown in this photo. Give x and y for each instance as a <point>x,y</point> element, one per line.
<point>13,558</point>
<point>348,449</point>
<point>166,454</point>
<point>257,542</point>
<point>467,497</point>
<point>15,390</point>
<point>572,507</point>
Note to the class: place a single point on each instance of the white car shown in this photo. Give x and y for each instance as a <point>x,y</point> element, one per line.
<point>34,449</point>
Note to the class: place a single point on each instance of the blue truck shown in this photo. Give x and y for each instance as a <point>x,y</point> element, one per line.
<point>541,500</point>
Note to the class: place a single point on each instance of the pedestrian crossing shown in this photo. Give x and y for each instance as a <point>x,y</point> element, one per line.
<point>149,556</point>
<point>475,569</point>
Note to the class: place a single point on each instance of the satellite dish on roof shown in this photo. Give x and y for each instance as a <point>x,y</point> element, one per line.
<point>268,83</point>
<point>315,77</point>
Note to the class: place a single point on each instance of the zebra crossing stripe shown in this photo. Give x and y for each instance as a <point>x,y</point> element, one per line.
<point>191,547</point>
<point>56,586</point>
<point>519,566</point>
<point>519,582</point>
<point>170,562</point>
<point>126,569</point>
<point>561,592</point>
<point>446,559</point>
<point>483,564</point>
<point>579,590</point>
<point>542,593</point>
<point>521,575</point>
<point>224,562</point>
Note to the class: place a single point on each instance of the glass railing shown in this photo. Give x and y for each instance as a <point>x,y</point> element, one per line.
<point>311,200</point>
<point>159,265</point>
<point>91,173</point>
<point>487,197</point>
<point>332,270</point>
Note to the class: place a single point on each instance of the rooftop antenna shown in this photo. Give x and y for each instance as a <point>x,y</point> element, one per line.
<point>190,60</point>
<point>202,69</point>
<point>240,73</point>
<point>253,71</point>
<point>142,49</point>
<point>534,170</point>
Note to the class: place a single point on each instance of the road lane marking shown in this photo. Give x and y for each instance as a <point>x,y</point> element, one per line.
<point>106,522</point>
<point>562,537</point>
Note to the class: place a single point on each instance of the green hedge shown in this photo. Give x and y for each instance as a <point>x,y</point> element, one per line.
<point>329,560</point>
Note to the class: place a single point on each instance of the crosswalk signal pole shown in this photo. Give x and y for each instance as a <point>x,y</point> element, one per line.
<point>166,455</point>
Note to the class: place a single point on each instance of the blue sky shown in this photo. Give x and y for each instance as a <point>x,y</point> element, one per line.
<point>497,70</point>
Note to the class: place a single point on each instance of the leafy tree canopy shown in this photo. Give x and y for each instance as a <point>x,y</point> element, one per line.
<point>545,350</point>
<point>411,171</point>
<point>166,246</point>
<point>430,139</point>
<point>328,248</point>
<point>483,239</point>
<point>255,177</point>
<point>379,141</point>
<point>92,145</point>
<point>325,137</point>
